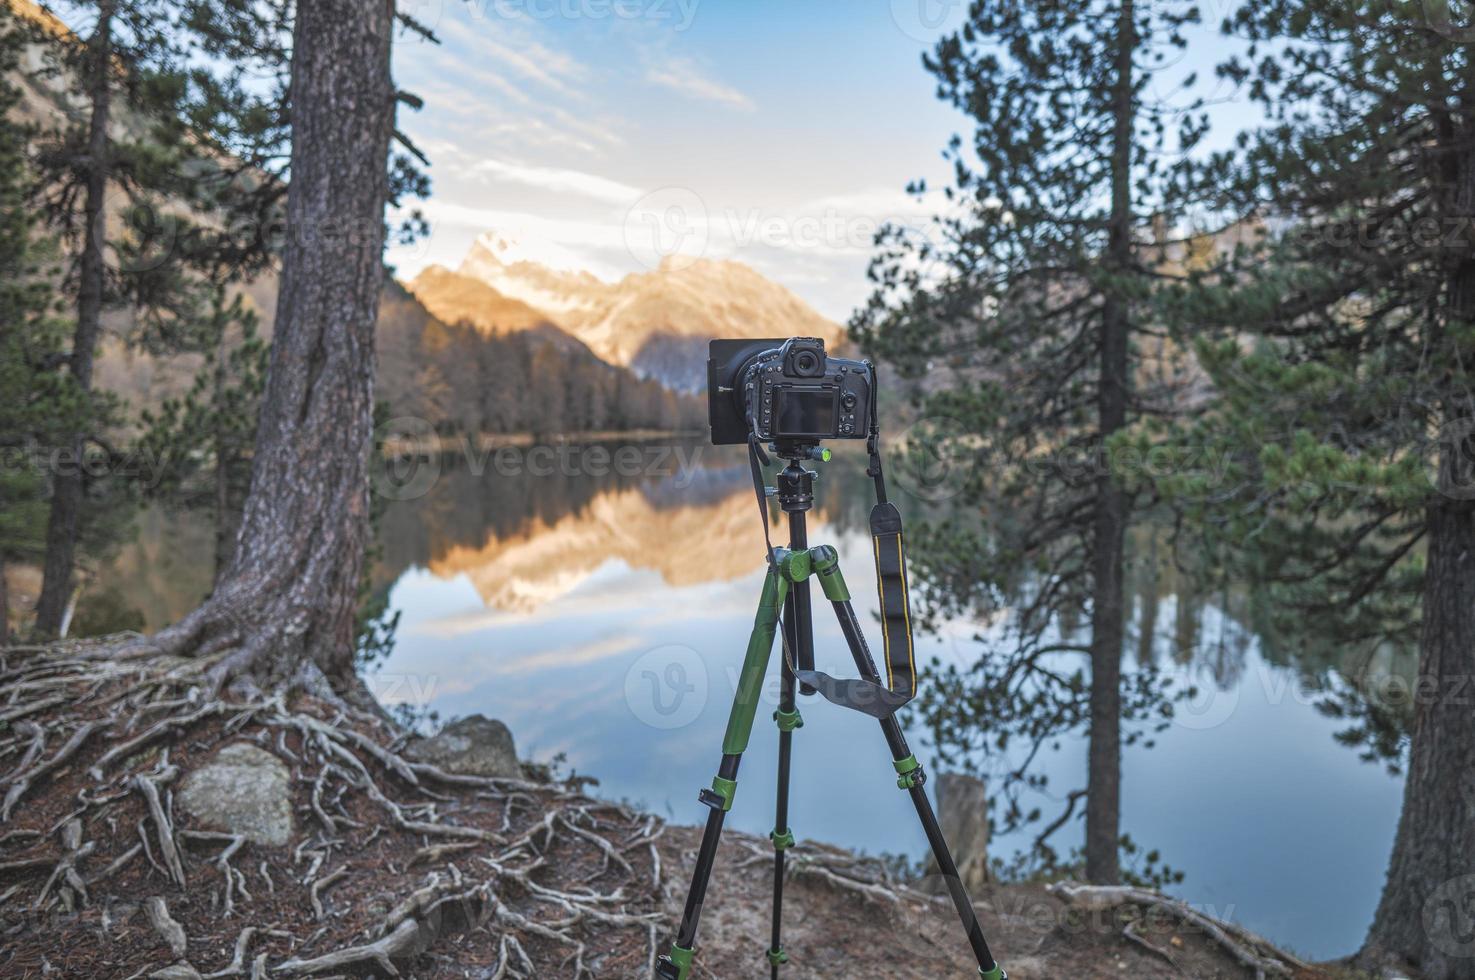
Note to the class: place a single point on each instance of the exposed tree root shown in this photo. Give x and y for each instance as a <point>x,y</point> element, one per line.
<point>395,868</point>
<point>1249,950</point>
<point>169,930</point>
<point>546,876</point>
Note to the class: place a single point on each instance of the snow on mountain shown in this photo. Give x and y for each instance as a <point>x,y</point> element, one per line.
<point>657,323</point>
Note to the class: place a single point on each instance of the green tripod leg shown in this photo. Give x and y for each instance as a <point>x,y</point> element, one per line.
<point>676,965</point>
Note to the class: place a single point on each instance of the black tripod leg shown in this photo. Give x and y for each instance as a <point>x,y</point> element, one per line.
<point>676,965</point>
<point>788,719</point>
<point>909,772</point>
<point>798,611</point>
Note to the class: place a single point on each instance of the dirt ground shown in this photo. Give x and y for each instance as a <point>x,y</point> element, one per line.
<point>832,931</point>
<point>400,869</point>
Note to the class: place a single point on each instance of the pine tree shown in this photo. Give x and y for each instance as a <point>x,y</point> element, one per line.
<point>1026,310</point>
<point>122,68</point>
<point>1344,345</point>
<point>35,398</point>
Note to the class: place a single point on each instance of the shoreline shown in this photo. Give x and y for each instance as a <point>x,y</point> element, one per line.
<point>438,444</point>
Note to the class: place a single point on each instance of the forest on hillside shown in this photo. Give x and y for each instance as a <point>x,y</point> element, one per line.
<point>460,379</point>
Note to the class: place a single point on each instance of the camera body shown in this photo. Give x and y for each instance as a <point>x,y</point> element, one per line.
<point>787,390</point>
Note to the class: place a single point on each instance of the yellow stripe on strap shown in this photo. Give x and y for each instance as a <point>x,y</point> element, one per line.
<point>881,593</point>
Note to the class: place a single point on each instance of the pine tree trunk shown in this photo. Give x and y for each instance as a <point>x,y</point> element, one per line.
<point>226,524</point>
<point>1103,788</point>
<point>4,605</point>
<point>1427,912</point>
<point>65,519</point>
<point>285,607</point>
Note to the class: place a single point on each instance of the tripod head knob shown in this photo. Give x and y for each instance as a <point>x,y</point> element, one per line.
<point>795,451</point>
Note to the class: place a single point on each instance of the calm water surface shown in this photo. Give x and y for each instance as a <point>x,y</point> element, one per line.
<point>604,617</point>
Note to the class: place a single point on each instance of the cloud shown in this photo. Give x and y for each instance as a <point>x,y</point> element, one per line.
<point>520,54</point>
<point>486,122</point>
<point>591,230</point>
<point>683,76</point>
<point>558,179</point>
<point>453,160</point>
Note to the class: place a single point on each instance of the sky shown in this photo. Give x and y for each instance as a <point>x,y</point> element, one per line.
<point>606,135</point>
<point>603,135</point>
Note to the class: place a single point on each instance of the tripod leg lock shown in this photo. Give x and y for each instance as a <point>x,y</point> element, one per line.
<point>826,563</point>
<point>782,841</point>
<point>778,957</point>
<point>997,973</point>
<point>909,772</point>
<point>788,720</point>
<point>675,965</point>
<point>719,797</point>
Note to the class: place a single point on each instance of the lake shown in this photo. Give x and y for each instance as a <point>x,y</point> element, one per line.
<point>599,603</point>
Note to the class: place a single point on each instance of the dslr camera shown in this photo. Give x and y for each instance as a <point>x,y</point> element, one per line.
<point>786,391</point>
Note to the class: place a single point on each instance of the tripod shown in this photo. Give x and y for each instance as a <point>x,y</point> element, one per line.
<point>786,589</point>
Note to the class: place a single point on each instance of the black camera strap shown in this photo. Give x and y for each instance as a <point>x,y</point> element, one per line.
<point>891,568</point>
<point>757,459</point>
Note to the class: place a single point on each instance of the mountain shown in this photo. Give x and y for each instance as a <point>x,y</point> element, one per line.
<point>656,323</point>
<point>536,379</point>
<point>460,299</point>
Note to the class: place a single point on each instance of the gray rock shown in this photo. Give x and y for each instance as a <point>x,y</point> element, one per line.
<point>243,790</point>
<point>474,746</point>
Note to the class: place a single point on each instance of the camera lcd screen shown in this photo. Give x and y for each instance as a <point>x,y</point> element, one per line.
<point>806,412</point>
